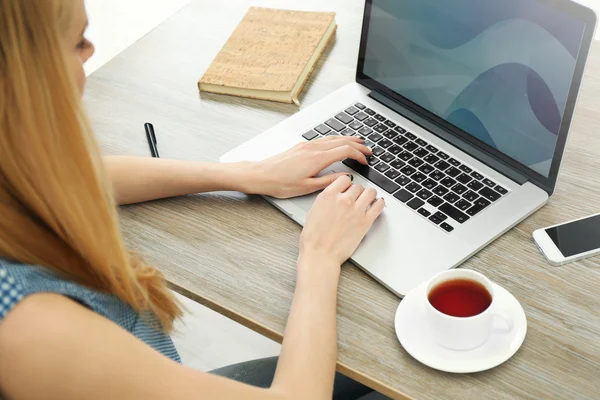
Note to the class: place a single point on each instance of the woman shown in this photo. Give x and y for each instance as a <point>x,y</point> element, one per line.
<point>79,317</point>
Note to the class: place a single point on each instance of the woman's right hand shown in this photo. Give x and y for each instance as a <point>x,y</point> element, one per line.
<point>339,219</point>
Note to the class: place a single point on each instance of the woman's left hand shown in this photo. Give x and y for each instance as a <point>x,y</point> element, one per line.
<point>293,172</point>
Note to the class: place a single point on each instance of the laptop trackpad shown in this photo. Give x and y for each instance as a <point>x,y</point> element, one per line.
<point>305,202</point>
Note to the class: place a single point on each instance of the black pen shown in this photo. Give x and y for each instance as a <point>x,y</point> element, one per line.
<point>151,139</point>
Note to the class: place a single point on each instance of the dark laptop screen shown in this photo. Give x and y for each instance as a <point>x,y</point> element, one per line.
<point>500,70</point>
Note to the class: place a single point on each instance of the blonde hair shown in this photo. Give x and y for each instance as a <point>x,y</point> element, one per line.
<point>56,205</point>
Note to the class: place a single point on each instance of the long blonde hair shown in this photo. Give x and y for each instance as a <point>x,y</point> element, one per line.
<point>56,205</point>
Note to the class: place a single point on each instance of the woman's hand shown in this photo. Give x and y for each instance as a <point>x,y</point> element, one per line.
<point>292,173</point>
<point>339,219</point>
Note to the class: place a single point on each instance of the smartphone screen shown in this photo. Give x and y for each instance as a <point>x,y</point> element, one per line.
<point>576,237</point>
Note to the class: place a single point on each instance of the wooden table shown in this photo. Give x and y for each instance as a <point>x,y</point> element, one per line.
<point>236,254</point>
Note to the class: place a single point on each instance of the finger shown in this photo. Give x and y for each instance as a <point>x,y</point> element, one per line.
<point>340,185</point>
<point>343,152</point>
<point>376,209</point>
<point>332,144</point>
<point>366,198</point>
<point>326,139</point>
<point>322,182</point>
<point>355,191</point>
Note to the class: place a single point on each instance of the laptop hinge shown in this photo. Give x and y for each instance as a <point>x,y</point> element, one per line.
<point>468,148</point>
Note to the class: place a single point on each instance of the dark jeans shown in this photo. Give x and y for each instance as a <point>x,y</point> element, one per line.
<point>261,372</point>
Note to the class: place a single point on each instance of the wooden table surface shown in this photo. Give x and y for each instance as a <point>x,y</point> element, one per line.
<point>236,253</point>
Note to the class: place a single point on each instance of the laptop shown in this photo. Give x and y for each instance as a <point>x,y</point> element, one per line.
<point>467,106</point>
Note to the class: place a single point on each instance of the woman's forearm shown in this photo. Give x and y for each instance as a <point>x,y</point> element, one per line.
<point>138,179</point>
<point>309,352</point>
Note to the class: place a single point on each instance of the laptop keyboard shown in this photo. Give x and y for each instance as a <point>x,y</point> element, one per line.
<point>435,185</point>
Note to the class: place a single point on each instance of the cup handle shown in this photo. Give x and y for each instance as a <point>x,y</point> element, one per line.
<point>504,316</point>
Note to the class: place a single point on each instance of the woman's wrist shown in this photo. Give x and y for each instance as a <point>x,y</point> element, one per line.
<point>315,267</point>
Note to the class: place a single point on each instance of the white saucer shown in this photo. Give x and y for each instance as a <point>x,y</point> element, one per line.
<point>415,336</point>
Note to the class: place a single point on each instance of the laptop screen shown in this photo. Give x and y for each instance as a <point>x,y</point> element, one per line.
<point>499,70</point>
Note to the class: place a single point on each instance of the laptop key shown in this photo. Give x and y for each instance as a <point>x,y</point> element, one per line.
<point>347,132</point>
<point>390,124</point>
<point>420,152</point>
<point>355,125</point>
<point>441,216</point>
<point>459,189</point>
<point>365,131</point>
<point>421,142</point>
<point>446,227</point>
<point>372,175</point>
<point>352,110</point>
<point>490,194</point>
<point>415,203</point>
<point>410,136</point>
<point>379,118</point>
<point>392,173</point>
<point>382,167</point>
<point>413,187</point>
<point>333,133</point>
<point>418,177</point>
<point>424,194</point>
<point>431,159</point>
<point>448,182</point>
<point>323,129</point>
<point>390,134</point>
<point>416,162</point>
<point>443,155</point>
<point>369,111</point>
<point>359,106</point>
<point>424,212</point>
<point>408,170</point>
<point>451,197</point>
<point>478,205</point>
<point>335,124</point>
<point>426,169</point>
<point>454,213</point>
<point>405,156</point>
<point>403,180</point>
<point>440,190</point>
<point>403,195</point>
<point>454,162</point>
<point>361,116</point>
<point>373,161</point>
<point>371,122</point>
<point>385,143</point>
<point>475,185</point>
<point>310,135</point>
<point>400,129</point>
<point>464,178</point>
<point>377,151</point>
<point>398,164</point>
<point>489,182</point>
<point>476,175</point>
<point>429,183</point>
<point>452,171</point>
<point>501,190</point>
<point>395,149</point>
<point>345,118</point>
<point>375,137</point>
<point>465,169</point>
<point>437,175</point>
<point>432,149</point>
<point>441,165</point>
<point>387,157</point>
<point>410,146</point>
<point>381,128</point>
<point>471,196</point>
<point>435,201</point>
<point>462,205</point>
<point>435,219</point>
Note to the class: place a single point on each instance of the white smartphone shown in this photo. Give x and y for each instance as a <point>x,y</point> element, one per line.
<point>570,241</point>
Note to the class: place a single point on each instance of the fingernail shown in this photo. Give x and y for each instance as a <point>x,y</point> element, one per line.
<point>351,177</point>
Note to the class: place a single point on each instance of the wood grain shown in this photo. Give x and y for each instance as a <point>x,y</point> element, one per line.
<point>236,253</point>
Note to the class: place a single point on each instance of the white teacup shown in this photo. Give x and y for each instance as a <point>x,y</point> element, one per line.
<point>464,333</point>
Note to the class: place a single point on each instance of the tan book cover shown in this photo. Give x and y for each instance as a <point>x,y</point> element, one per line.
<point>270,54</point>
